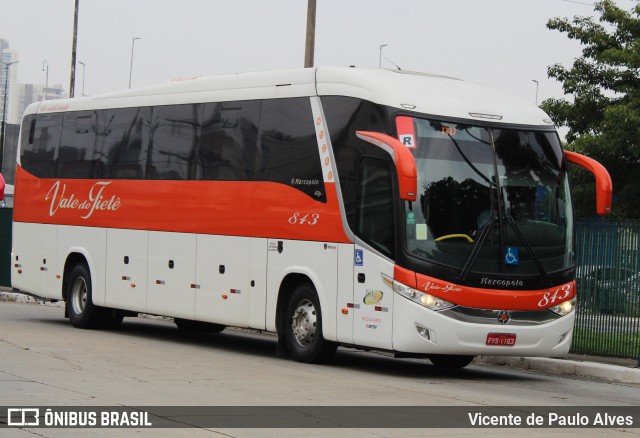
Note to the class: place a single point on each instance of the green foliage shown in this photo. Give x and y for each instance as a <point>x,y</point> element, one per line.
<point>605,342</point>
<point>603,114</point>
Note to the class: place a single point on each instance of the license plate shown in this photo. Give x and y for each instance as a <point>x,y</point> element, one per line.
<point>503,339</point>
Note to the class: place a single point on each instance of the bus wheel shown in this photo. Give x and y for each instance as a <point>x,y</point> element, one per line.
<point>188,326</point>
<point>82,313</point>
<point>303,327</point>
<point>450,361</point>
<point>80,308</point>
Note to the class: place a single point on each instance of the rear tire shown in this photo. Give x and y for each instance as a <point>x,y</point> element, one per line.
<point>82,313</point>
<point>79,305</point>
<point>448,361</point>
<point>303,327</point>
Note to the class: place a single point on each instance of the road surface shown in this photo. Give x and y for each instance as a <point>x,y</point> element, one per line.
<point>148,362</point>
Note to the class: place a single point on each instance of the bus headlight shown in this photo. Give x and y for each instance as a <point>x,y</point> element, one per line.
<point>565,307</point>
<point>424,299</point>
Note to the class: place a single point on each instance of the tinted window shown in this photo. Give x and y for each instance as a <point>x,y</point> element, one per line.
<point>124,137</point>
<point>175,132</point>
<point>77,157</point>
<point>375,205</point>
<point>26,142</point>
<point>287,147</point>
<point>344,116</point>
<point>40,145</point>
<point>229,135</point>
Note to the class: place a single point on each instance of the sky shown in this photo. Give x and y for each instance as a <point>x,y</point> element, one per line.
<point>503,44</point>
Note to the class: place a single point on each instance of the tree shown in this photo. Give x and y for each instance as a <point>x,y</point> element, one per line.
<point>603,115</point>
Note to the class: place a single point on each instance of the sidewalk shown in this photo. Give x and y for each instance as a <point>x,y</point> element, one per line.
<point>624,371</point>
<point>617,370</point>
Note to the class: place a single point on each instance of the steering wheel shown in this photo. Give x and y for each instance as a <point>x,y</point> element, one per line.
<point>454,236</point>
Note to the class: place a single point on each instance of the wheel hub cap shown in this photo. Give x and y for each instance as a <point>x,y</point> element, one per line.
<point>79,295</point>
<point>304,323</point>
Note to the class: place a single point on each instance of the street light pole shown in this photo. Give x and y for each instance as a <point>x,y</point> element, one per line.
<point>46,78</point>
<point>133,42</point>
<point>84,67</point>
<point>380,57</point>
<point>310,42</point>
<point>74,45</point>
<point>537,84</point>
<point>4,110</point>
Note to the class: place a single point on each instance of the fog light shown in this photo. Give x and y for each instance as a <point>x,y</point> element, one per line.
<point>426,333</point>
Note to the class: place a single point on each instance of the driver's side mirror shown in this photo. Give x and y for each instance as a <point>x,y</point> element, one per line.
<point>403,159</point>
<point>604,187</point>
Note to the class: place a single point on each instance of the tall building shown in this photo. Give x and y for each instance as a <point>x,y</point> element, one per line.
<point>26,94</point>
<point>7,83</point>
<point>19,96</point>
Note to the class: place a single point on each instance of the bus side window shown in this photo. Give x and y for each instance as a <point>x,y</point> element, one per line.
<point>375,223</point>
<point>287,146</point>
<point>124,141</point>
<point>344,116</point>
<point>77,156</point>
<point>175,133</point>
<point>40,155</point>
<point>228,144</point>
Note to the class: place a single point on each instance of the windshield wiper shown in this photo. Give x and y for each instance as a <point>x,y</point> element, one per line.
<point>476,248</point>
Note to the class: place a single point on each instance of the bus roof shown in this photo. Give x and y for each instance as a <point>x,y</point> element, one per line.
<point>425,93</point>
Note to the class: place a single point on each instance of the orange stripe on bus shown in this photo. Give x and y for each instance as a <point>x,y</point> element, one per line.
<point>235,208</point>
<point>481,298</point>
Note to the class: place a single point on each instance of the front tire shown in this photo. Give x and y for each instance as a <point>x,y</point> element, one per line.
<point>303,327</point>
<point>79,305</point>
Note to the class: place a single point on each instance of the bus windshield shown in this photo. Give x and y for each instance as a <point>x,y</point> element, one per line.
<point>490,200</point>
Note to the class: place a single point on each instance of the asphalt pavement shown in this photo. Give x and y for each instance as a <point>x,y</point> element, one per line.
<point>625,371</point>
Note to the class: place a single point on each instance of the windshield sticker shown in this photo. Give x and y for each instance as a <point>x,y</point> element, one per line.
<point>511,256</point>
<point>406,131</point>
<point>411,218</point>
<point>421,232</point>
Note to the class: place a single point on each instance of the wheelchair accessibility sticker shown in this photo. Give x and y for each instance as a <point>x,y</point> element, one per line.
<point>511,256</point>
<point>359,257</point>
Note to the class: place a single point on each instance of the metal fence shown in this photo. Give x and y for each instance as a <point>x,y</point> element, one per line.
<point>608,277</point>
<point>11,133</point>
<point>5,246</point>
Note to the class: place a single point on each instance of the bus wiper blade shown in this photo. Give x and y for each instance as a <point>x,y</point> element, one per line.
<point>476,248</point>
<point>534,257</point>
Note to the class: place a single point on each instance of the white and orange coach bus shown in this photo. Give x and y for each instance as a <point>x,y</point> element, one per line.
<point>411,213</point>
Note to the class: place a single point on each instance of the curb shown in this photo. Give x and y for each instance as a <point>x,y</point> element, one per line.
<point>6,294</point>
<point>613,373</point>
